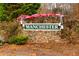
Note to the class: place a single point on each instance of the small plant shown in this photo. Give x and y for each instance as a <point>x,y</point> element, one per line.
<point>19,40</point>
<point>12,40</point>
<point>77,27</point>
<point>1,42</point>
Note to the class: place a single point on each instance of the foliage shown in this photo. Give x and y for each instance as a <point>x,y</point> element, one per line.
<point>2,15</point>
<point>11,11</point>
<point>77,27</point>
<point>1,40</point>
<point>19,40</point>
<point>8,29</point>
<point>1,9</point>
<point>11,40</point>
<point>3,18</point>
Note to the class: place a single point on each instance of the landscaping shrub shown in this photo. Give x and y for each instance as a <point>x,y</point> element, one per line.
<point>12,11</point>
<point>3,18</point>
<point>1,42</point>
<point>11,40</point>
<point>19,39</point>
<point>77,27</point>
<point>15,13</point>
<point>8,29</point>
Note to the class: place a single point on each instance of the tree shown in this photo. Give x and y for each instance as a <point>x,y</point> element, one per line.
<point>2,15</point>
<point>12,11</point>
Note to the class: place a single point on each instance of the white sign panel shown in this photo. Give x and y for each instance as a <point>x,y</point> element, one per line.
<point>42,26</point>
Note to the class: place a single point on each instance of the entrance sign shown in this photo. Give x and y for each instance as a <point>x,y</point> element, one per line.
<point>42,26</point>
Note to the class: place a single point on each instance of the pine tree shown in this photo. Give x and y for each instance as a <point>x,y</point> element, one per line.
<point>13,10</point>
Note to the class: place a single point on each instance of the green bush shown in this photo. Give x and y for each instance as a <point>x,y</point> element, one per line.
<point>12,11</point>
<point>3,18</point>
<point>1,42</point>
<point>12,40</point>
<point>15,13</point>
<point>19,40</point>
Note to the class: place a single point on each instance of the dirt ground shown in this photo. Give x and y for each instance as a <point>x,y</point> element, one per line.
<point>45,49</point>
